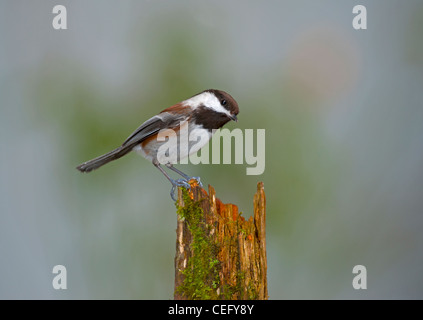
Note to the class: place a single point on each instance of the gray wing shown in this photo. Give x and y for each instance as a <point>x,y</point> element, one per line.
<point>151,126</point>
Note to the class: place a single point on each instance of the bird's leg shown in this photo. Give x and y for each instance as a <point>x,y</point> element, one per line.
<point>187,177</point>
<point>171,167</point>
<point>175,183</point>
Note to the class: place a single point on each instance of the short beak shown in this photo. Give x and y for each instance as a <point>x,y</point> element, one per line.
<point>233,117</point>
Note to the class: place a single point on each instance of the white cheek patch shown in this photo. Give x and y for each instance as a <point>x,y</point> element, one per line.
<point>207,99</point>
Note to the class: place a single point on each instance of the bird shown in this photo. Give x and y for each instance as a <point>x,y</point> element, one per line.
<point>199,115</point>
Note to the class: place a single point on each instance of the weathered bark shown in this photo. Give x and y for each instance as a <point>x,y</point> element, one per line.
<point>219,254</point>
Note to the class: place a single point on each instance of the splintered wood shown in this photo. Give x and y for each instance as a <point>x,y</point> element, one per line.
<point>219,254</point>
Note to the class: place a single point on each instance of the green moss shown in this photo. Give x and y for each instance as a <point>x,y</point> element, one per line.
<point>201,276</point>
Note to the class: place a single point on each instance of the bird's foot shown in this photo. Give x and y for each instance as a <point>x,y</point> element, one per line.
<point>176,184</point>
<point>197,179</point>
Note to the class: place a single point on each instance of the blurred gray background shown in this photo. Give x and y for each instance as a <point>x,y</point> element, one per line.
<point>343,116</point>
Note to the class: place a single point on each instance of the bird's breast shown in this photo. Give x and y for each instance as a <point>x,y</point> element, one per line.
<point>174,144</point>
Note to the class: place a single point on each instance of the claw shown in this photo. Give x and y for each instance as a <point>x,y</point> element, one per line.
<point>182,183</point>
<point>178,183</point>
<point>198,181</point>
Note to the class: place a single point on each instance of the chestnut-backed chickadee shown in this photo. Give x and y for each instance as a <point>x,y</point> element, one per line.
<point>202,113</point>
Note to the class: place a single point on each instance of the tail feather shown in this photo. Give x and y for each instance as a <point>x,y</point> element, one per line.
<point>105,158</point>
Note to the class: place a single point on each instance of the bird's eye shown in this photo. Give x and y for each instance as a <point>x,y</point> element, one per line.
<point>223,102</point>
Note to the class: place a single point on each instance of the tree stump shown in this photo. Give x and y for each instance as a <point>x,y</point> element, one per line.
<point>219,254</point>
